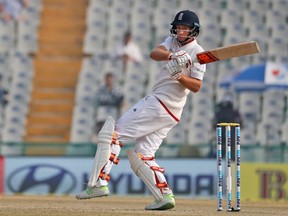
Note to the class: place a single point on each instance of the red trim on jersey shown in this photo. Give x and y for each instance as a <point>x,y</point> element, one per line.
<point>168,111</point>
<point>185,42</point>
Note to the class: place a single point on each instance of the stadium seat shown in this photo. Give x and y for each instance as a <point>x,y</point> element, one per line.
<point>137,71</point>
<point>92,63</point>
<point>148,4</point>
<point>162,31</point>
<point>237,30</point>
<point>32,14</point>
<point>113,39</point>
<point>273,108</point>
<point>241,5</point>
<point>272,17</point>
<point>249,106</point>
<point>248,137</point>
<point>111,66</point>
<point>5,70</point>
<point>224,70</point>
<point>166,4</point>
<point>280,5</point>
<point>27,38</point>
<point>213,32</point>
<point>259,33</point>
<point>85,93</point>
<point>232,39</point>
<point>36,4</point>
<point>89,76</point>
<point>252,17</point>
<point>186,116</point>
<point>140,13</point>
<point>241,62</point>
<point>189,4</point>
<point>141,29</point>
<point>230,17</point>
<point>260,5</point>
<point>199,137</point>
<point>90,70</point>
<point>133,91</point>
<point>173,142</point>
<point>7,36</point>
<point>13,132</point>
<point>215,4</point>
<point>100,3</point>
<point>20,62</point>
<point>279,30</point>
<point>83,123</point>
<point>250,152</point>
<point>267,134</point>
<point>98,27</point>
<point>208,16</point>
<point>123,4</point>
<point>202,101</point>
<point>176,136</point>
<point>141,35</point>
<point>96,12</point>
<point>160,16</point>
<point>152,74</point>
<point>94,43</point>
<point>211,80</point>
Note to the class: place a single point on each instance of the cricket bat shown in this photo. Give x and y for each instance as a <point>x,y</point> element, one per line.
<point>227,52</point>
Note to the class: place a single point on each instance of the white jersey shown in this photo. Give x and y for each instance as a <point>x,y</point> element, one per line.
<point>172,93</point>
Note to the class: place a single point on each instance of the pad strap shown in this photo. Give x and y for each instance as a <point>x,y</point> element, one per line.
<point>104,176</point>
<point>114,158</point>
<point>154,169</point>
<point>116,142</point>
<point>145,158</point>
<point>162,185</point>
<point>159,169</point>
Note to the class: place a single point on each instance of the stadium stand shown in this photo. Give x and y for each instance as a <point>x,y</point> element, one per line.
<point>70,55</point>
<point>57,65</point>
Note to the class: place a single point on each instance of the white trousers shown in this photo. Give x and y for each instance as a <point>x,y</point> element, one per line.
<point>147,123</point>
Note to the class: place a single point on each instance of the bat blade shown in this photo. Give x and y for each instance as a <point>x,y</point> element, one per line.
<point>232,51</point>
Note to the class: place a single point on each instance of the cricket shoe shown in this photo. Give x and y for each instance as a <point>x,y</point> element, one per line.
<point>168,202</point>
<point>91,192</point>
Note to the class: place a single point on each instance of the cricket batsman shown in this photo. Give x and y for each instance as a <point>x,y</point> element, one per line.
<point>148,122</point>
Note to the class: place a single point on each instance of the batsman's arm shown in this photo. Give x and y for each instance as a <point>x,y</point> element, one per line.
<point>160,53</point>
<point>190,83</point>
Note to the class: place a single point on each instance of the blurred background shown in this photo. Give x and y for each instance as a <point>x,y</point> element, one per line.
<point>55,54</point>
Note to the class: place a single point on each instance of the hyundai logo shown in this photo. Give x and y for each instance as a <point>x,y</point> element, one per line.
<point>41,179</point>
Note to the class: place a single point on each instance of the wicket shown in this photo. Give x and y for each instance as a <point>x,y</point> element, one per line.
<point>228,171</point>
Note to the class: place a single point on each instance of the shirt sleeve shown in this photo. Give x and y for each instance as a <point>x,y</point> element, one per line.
<point>167,43</point>
<point>198,70</point>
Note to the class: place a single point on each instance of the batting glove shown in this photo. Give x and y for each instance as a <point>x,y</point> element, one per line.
<point>182,57</point>
<point>174,68</point>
